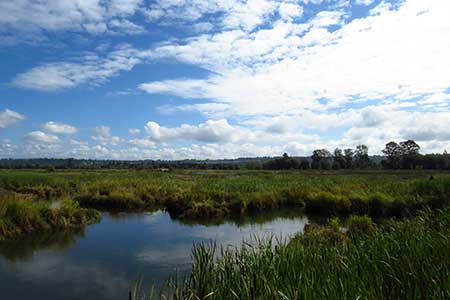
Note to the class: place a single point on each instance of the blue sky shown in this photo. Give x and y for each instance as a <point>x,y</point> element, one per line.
<point>175,79</point>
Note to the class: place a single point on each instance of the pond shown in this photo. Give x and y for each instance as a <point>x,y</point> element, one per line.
<point>101,261</point>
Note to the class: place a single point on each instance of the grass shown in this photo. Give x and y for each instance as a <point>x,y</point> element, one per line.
<point>211,194</point>
<point>21,215</point>
<point>405,259</point>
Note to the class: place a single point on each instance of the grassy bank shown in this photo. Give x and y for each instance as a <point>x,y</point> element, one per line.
<point>19,215</point>
<point>216,194</point>
<point>405,259</point>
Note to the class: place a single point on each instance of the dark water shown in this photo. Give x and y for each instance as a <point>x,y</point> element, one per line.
<point>101,261</point>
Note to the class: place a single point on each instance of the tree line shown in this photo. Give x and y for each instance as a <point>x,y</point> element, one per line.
<point>403,155</point>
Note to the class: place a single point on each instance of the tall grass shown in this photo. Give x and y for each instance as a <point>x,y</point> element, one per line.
<point>217,194</point>
<point>406,259</point>
<point>19,215</point>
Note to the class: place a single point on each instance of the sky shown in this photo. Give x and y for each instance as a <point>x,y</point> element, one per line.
<point>209,79</point>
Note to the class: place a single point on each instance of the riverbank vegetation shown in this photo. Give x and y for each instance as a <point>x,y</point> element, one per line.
<point>216,194</point>
<point>21,215</point>
<point>406,259</point>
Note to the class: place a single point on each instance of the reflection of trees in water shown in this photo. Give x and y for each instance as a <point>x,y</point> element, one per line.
<point>286,213</point>
<point>22,249</point>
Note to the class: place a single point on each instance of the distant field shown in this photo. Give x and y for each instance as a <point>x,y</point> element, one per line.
<point>206,194</point>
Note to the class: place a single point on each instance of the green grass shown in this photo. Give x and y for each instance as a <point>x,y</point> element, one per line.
<point>218,194</point>
<point>407,259</point>
<point>21,215</point>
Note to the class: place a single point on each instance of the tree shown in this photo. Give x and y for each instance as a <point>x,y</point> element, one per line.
<point>348,153</point>
<point>321,159</point>
<point>282,163</point>
<point>409,147</point>
<point>362,156</point>
<point>304,164</point>
<point>410,154</point>
<point>338,159</point>
<point>253,165</point>
<point>393,151</point>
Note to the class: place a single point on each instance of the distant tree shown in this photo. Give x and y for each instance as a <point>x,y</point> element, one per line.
<point>362,156</point>
<point>446,160</point>
<point>253,165</point>
<point>348,154</point>
<point>304,164</point>
<point>338,159</point>
<point>410,154</point>
<point>321,159</point>
<point>282,163</point>
<point>393,151</point>
<point>409,147</point>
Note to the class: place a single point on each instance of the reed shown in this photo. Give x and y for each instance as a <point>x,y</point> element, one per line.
<point>405,259</point>
<point>210,194</point>
<point>19,215</point>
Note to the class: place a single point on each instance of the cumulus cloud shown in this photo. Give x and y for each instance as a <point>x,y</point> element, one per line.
<point>210,131</point>
<point>288,11</point>
<point>103,135</point>
<point>146,143</point>
<point>40,137</point>
<point>9,117</point>
<point>59,128</point>
<point>258,73</point>
<point>286,80</point>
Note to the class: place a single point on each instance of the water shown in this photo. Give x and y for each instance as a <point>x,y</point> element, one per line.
<point>101,261</point>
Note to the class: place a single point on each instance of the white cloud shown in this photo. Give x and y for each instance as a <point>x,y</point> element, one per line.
<point>102,131</point>
<point>28,18</point>
<point>40,137</point>
<point>102,134</point>
<point>59,128</point>
<point>382,56</point>
<point>211,131</point>
<point>146,143</point>
<point>250,14</point>
<point>364,2</point>
<point>126,27</point>
<point>288,11</point>
<point>9,117</point>
<point>231,14</point>
<point>134,131</point>
<point>91,70</point>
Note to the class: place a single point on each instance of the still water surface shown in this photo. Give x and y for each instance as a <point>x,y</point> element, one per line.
<point>101,261</point>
